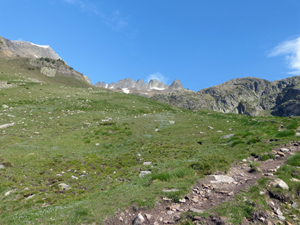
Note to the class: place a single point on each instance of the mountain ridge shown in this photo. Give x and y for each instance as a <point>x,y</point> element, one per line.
<point>128,85</point>
<point>26,49</point>
<point>249,95</point>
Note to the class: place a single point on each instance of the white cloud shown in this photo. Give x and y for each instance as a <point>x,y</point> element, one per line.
<point>84,5</point>
<point>158,76</point>
<point>114,21</point>
<point>291,50</point>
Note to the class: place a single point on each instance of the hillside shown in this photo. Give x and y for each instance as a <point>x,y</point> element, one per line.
<point>250,96</point>
<point>74,155</point>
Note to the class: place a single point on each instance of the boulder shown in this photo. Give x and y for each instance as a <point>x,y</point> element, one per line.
<point>280,184</point>
<point>139,220</point>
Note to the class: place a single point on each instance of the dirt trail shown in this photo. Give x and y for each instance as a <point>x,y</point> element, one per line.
<point>210,191</point>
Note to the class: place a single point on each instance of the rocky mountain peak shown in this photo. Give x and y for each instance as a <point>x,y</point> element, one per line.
<point>176,85</point>
<point>140,87</point>
<point>26,49</point>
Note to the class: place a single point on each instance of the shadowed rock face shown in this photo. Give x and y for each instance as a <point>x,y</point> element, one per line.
<point>140,87</point>
<point>250,96</point>
<point>26,49</point>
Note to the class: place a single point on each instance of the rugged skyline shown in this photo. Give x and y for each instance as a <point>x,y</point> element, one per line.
<point>201,43</point>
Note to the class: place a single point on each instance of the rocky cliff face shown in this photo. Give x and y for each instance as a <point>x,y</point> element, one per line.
<point>251,96</point>
<point>26,49</point>
<point>142,88</point>
<point>41,58</point>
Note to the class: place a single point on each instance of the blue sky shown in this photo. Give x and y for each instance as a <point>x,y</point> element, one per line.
<point>200,42</point>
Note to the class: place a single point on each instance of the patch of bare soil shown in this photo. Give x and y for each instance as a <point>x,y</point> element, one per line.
<point>208,192</point>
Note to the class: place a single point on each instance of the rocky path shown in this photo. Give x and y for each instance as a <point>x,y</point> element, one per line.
<point>209,192</point>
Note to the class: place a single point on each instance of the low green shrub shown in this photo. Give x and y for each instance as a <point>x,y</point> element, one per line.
<point>285,133</point>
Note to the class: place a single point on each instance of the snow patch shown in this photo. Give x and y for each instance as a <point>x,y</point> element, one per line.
<point>126,90</point>
<point>42,46</point>
<point>106,85</point>
<point>159,89</point>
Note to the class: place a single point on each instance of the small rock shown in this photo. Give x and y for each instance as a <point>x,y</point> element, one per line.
<point>175,207</point>
<point>280,183</point>
<point>281,154</point>
<point>222,179</point>
<point>284,150</point>
<point>170,190</point>
<point>282,218</point>
<point>261,219</point>
<point>183,200</point>
<point>138,220</point>
<point>295,205</point>
<point>195,199</point>
<point>64,187</point>
<point>2,166</point>
<point>244,160</point>
<point>294,180</point>
<point>170,213</point>
<point>74,177</point>
<point>148,216</point>
<point>197,218</point>
<point>144,173</point>
<point>196,210</point>
<point>209,127</point>
<point>269,174</point>
<point>147,163</point>
<point>227,136</point>
<point>5,106</point>
<point>279,212</point>
<point>29,197</point>
<point>7,193</point>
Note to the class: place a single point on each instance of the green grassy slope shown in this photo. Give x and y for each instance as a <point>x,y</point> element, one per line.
<point>22,67</point>
<point>97,141</point>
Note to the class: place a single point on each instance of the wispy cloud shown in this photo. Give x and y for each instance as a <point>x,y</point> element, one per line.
<point>84,5</point>
<point>158,76</point>
<point>114,21</point>
<point>291,50</point>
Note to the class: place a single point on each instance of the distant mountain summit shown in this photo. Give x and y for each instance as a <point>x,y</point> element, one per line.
<point>140,87</point>
<point>26,49</point>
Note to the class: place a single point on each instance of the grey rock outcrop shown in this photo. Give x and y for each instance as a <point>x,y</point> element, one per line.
<point>250,96</point>
<point>26,49</point>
